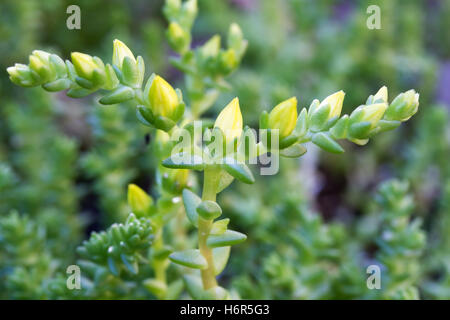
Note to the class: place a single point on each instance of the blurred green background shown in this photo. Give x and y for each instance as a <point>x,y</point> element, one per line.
<point>314,228</point>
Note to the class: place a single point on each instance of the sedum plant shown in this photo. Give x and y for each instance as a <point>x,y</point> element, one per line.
<point>221,149</point>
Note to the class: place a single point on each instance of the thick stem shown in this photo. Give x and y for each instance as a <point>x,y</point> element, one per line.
<point>204,227</point>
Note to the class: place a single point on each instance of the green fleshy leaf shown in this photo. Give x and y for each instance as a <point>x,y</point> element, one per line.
<point>163,123</point>
<point>130,72</point>
<point>191,258</point>
<point>58,65</point>
<point>225,179</point>
<point>295,151</point>
<point>179,111</point>
<point>113,267</point>
<point>194,286</point>
<point>184,161</point>
<point>121,94</point>
<point>339,130</point>
<point>288,141</point>
<point>264,120</point>
<point>219,227</point>
<point>228,238</point>
<point>327,143</point>
<point>162,253</point>
<point>360,130</point>
<point>216,293</point>
<point>191,202</point>
<point>387,125</point>
<point>220,256</point>
<point>209,210</point>
<point>238,170</point>
<point>301,127</point>
<point>157,287</point>
<point>144,115</point>
<point>57,85</point>
<point>174,290</point>
<point>111,81</point>
<point>78,93</point>
<point>82,82</point>
<point>132,266</point>
<point>319,117</point>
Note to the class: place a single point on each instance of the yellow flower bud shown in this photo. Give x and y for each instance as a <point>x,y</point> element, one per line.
<point>404,106</point>
<point>174,180</point>
<point>36,63</point>
<point>121,51</point>
<point>212,47</point>
<point>229,60</point>
<point>84,64</point>
<point>335,101</point>
<point>190,7</point>
<point>373,113</point>
<point>284,117</point>
<point>139,201</point>
<point>230,120</point>
<point>20,74</point>
<point>163,98</point>
<point>178,38</point>
<point>382,94</point>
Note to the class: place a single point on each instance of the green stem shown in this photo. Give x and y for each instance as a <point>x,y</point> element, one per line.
<point>204,227</point>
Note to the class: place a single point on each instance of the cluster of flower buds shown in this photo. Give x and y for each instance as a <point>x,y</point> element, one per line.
<point>224,147</point>
<point>44,69</point>
<point>376,116</point>
<point>181,16</point>
<point>323,125</point>
<point>160,105</point>
<point>207,65</point>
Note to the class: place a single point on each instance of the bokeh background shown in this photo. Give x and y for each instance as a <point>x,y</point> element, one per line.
<point>314,228</point>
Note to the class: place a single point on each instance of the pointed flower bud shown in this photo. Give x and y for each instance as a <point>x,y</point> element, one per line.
<point>369,114</point>
<point>230,120</point>
<point>120,51</point>
<point>20,74</point>
<point>236,40</point>
<point>284,117</point>
<point>84,65</point>
<point>212,47</point>
<point>132,69</point>
<point>179,39</point>
<point>191,7</point>
<point>335,101</point>
<point>39,63</point>
<point>364,119</point>
<point>162,98</point>
<point>373,113</point>
<point>404,106</point>
<point>381,95</point>
<point>228,60</point>
<point>175,180</point>
<point>139,201</point>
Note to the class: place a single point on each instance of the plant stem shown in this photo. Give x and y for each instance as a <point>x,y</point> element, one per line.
<point>204,227</point>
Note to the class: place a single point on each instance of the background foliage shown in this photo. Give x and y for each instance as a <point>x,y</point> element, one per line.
<point>312,230</point>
